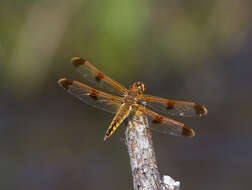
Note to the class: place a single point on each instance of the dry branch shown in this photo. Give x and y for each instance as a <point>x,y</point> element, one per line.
<point>142,158</point>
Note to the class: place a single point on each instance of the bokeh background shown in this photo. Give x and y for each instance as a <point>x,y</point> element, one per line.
<point>187,50</point>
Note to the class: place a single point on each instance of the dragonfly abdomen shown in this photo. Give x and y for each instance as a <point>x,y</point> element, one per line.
<point>122,113</point>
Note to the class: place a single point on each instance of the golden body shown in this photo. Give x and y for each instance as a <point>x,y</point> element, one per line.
<point>129,100</point>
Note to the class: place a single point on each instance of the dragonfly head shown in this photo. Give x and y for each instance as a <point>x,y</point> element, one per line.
<point>139,86</point>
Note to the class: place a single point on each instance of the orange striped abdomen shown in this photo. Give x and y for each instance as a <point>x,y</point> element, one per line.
<point>122,113</point>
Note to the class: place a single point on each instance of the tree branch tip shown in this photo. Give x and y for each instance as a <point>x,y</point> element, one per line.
<point>170,183</point>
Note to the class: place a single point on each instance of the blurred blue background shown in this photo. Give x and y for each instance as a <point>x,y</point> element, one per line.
<point>186,50</point>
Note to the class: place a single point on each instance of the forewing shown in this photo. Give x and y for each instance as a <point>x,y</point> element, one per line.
<point>173,107</point>
<point>97,78</point>
<point>91,96</point>
<point>165,125</point>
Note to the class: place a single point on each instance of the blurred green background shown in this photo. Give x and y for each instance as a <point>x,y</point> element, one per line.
<point>187,50</point>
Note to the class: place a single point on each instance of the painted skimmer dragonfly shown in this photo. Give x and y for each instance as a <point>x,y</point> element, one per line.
<point>128,101</point>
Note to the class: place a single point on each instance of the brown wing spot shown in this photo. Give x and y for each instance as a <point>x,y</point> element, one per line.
<point>200,110</point>
<point>158,119</point>
<point>188,132</point>
<point>99,76</point>
<point>170,104</point>
<point>77,61</point>
<point>94,94</point>
<point>65,83</point>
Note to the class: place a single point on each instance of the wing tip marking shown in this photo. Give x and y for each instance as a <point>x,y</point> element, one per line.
<point>77,61</point>
<point>200,110</point>
<point>65,83</point>
<point>188,132</point>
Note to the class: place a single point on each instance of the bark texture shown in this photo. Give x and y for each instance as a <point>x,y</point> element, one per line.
<point>142,158</point>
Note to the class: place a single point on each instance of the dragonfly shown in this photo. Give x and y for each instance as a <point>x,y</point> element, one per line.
<point>125,102</point>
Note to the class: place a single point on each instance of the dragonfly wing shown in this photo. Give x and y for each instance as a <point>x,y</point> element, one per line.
<point>173,107</point>
<point>97,78</point>
<point>91,96</point>
<point>165,125</point>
